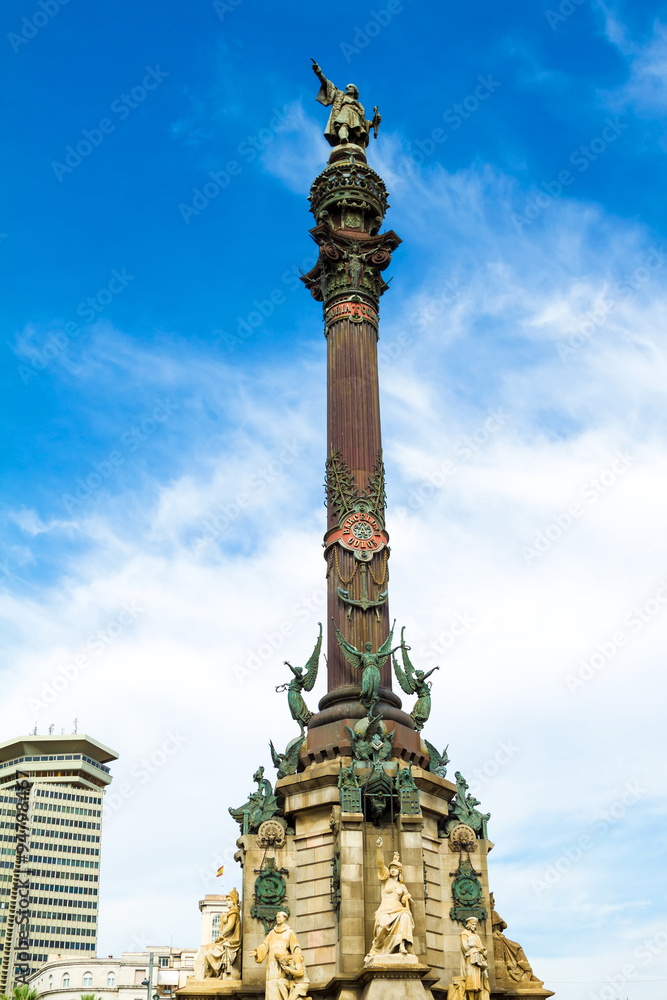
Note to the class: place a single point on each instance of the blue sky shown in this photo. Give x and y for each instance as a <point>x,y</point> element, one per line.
<point>142,397</point>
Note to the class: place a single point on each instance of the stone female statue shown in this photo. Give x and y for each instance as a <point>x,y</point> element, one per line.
<point>394,924</point>
<point>220,956</point>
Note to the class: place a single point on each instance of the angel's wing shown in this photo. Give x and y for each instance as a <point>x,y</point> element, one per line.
<point>383,651</point>
<point>437,761</point>
<point>275,757</point>
<point>313,663</point>
<point>351,734</point>
<point>404,679</point>
<point>407,664</point>
<point>350,652</point>
<point>292,756</point>
<point>373,727</point>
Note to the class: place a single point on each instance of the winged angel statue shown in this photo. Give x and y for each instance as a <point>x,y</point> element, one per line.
<point>370,663</point>
<point>415,682</point>
<point>300,682</point>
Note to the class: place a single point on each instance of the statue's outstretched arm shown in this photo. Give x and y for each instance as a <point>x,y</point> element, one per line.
<point>383,872</point>
<point>318,72</point>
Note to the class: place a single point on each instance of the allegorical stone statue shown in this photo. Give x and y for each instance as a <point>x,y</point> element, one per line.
<point>220,956</point>
<point>473,983</point>
<point>297,706</point>
<point>510,960</point>
<point>347,121</point>
<point>394,924</point>
<point>415,682</point>
<point>371,664</point>
<point>286,977</point>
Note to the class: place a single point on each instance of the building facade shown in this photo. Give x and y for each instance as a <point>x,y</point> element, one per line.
<point>61,781</point>
<point>66,977</point>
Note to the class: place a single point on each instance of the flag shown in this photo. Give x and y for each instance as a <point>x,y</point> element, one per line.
<point>220,871</point>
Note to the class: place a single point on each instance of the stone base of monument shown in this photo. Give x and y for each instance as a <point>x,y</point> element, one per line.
<point>196,988</point>
<point>395,977</point>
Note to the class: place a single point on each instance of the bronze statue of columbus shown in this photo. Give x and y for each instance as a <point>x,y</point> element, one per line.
<point>347,121</point>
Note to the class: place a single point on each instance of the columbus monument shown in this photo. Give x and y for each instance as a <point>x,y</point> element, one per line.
<point>363,865</point>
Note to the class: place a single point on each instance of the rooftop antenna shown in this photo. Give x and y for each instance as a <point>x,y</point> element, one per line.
<point>51,730</point>
<point>76,725</point>
<point>34,732</point>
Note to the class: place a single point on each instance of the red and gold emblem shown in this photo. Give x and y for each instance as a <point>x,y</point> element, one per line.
<point>359,531</point>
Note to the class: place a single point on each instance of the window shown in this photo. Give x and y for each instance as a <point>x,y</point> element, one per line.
<point>87,979</point>
<point>111,979</point>
<point>215,926</point>
<point>164,961</point>
<point>66,980</point>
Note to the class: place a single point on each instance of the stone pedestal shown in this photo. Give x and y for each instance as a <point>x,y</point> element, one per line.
<point>204,989</point>
<point>395,977</point>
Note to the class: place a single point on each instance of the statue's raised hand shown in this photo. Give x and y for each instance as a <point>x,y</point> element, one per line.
<point>378,842</point>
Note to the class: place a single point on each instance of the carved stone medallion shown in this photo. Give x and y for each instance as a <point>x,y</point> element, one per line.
<point>462,837</point>
<point>271,834</point>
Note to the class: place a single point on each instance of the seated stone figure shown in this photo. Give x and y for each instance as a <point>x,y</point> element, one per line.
<point>220,956</point>
<point>510,960</point>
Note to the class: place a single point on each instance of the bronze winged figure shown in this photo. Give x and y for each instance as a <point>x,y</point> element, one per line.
<point>414,682</point>
<point>302,682</point>
<point>371,664</point>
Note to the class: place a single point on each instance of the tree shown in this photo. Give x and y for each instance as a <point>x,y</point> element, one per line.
<point>20,991</point>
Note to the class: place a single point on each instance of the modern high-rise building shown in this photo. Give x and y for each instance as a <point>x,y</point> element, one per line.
<point>51,794</point>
